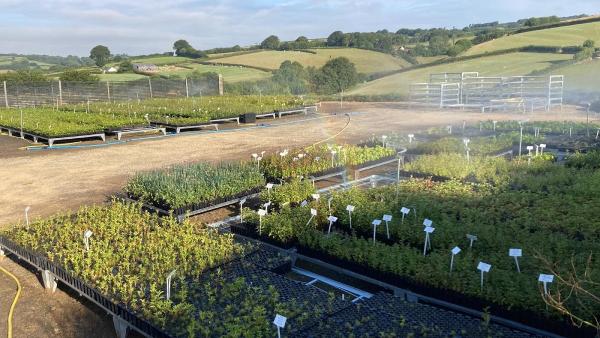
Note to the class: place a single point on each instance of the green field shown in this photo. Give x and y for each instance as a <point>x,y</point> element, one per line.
<point>162,60</point>
<point>230,73</point>
<point>121,77</point>
<point>584,77</point>
<point>560,36</point>
<point>366,61</point>
<point>499,65</point>
<point>7,60</point>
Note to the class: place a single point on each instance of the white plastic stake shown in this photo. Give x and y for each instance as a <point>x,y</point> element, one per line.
<point>280,323</point>
<point>27,215</point>
<point>545,279</point>
<point>529,149</point>
<point>387,219</point>
<point>494,122</point>
<point>331,219</point>
<point>427,222</point>
<point>411,137</point>
<point>242,201</point>
<point>375,224</point>
<point>471,239</point>
<point>169,278</point>
<point>455,251</point>
<point>329,200</point>
<point>449,128</point>
<point>428,230</point>
<point>483,267</point>
<point>269,187</point>
<point>350,209</point>
<point>86,239</point>
<point>267,205</point>
<point>516,253</point>
<point>404,212</point>
<point>261,213</point>
<point>313,213</point>
<point>542,146</point>
<point>383,138</point>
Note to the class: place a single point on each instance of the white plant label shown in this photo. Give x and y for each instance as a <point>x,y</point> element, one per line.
<point>429,230</point>
<point>376,222</point>
<point>456,250</point>
<point>262,212</point>
<point>269,185</point>
<point>427,222</point>
<point>350,208</point>
<point>545,278</point>
<point>332,219</point>
<point>279,321</point>
<point>316,196</point>
<point>387,218</point>
<point>242,201</point>
<point>313,212</point>
<point>484,267</point>
<point>304,203</point>
<point>405,210</point>
<point>515,252</point>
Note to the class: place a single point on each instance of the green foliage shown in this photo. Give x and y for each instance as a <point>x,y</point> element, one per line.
<point>79,119</point>
<point>589,44</point>
<point>187,185</point>
<point>74,75</point>
<point>336,75</point>
<point>294,191</point>
<point>271,42</point>
<point>459,47</point>
<point>590,160</point>
<point>538,21</point>
<point>183,48</point>
<point>304,162</point>
<point>24,76</point>
<point>100,54</point>
<point>292,75</point>
<point>125,67</point>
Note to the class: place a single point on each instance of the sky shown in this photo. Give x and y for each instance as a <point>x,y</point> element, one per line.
<point>61,27</point>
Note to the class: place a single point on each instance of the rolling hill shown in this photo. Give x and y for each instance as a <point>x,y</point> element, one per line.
<point>499,65</point>
<point>366,61</point>
<point>560,36</point>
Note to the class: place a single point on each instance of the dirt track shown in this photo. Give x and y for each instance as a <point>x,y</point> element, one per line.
<point>63,180</point>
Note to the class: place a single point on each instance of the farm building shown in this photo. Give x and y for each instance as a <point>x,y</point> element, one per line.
<point>144,68</point>
<point>110,70</point>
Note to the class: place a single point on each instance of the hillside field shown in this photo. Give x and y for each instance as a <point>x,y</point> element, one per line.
<point>230,73</point>
<point>560,36</point>
<point>499,65</point>
<point>583,77</point>
<point>366,61</point>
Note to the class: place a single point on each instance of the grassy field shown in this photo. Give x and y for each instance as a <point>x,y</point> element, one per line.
<point>120,77</point>
<point>6,60</point>
<point>230,73</point>
<point>560,36</point>
<point>366,61</point>
<point>583,77</point>
<point>500,65</point>
<point>162,60</point>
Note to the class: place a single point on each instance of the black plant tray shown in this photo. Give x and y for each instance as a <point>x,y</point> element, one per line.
<point>196,208</point>
<point>81,287</point>
<point>525,316</point>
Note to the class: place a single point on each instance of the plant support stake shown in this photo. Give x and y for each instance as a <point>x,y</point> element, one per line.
<point>455,251</point>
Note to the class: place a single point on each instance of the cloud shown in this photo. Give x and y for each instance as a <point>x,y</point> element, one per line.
<point>137,27</point>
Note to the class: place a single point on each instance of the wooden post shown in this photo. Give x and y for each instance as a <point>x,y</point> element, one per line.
<point>220,84</point>
<point>108,90</point>
<point>5,95</point>
<point>150,86</point>
<point>60,101</point>
<point>187,89</point>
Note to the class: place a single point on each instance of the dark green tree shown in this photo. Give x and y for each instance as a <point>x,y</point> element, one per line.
<point>183,48</point>
<point>100,54</point>
<point>301,42</point>
<point>335,39</point>
<point>74,75</point>
<point>589,44</point>
<point>293,76</point>
<point>272,42</point>
<point>24,76</point>
<point>125,67</point>
<point>336,75</point>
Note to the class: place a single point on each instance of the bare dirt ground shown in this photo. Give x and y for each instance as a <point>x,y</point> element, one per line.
<point>63,180</point>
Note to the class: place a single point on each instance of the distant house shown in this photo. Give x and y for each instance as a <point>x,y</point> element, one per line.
<point>110,70</point>
<point>144,68</point>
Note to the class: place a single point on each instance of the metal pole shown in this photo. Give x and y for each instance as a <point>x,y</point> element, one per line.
<point>220,84</point>
<point>150,86</point>
<point>187,90</point>
<point>108,90</point>
<point>6,95</point>
<point>520,141</point>
<point>60,100</point>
